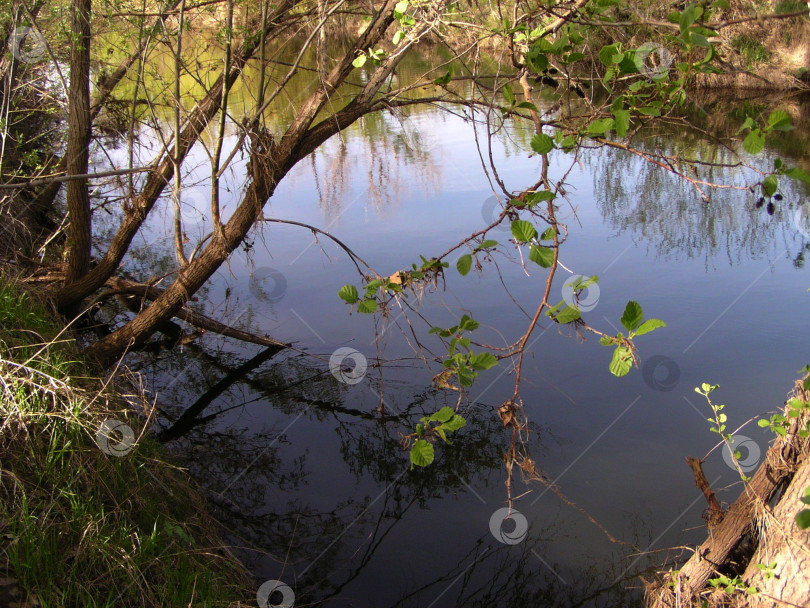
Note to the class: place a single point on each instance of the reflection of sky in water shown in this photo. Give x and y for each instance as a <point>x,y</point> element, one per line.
<point>615,446</point>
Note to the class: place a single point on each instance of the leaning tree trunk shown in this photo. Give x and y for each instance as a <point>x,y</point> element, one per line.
<point>270,160</point>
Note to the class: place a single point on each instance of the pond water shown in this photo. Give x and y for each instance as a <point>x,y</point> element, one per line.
<point>310,479</point>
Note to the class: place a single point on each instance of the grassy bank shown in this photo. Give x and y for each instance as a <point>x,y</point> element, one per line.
<point>89,519</point>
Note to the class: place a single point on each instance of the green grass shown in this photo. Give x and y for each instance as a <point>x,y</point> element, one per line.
<point>790,6</point>
<point>752,51</point>
<point>81,527</point>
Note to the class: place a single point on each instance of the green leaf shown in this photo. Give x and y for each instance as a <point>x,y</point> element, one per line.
<point>359,61</point>
<point>464,264</point>
<point>443,415</point>
<point>542,143</point>
<point>401,6</point>
<point>806,498</point>
<point>601,126</point>
<point>649,325</point>
<point>348,293</point>
<point>488,244</point>
<point>689,15</point>
<point>622,118</point>
<point>523,231</point>
<point>606,54</point>
<point>649,111</point>
<point>632,316</point>
<point>562,313</point>
<point>541,255</point>
<point>622,362</point>
<point>454,424</point>
<point>532,198</point>
<point>526,105</point>
<point>367,306</point>
<point>483,361</point>
<point>803,519</point>
<point>797,173</point>
<point>508,95</point>
<point>398,37</point>
<point>443,80</point>
<point>769,185</point>
<point>548,234</point>
<point>467,323</point>
<point>754,142</point>
<point>422,453</point>
<point>465,376</point>
<point>779,120</point>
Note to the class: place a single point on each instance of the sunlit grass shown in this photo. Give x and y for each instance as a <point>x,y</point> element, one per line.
<point>82,527</point>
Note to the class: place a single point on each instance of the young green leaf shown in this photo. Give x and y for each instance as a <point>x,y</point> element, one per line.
<point>632,316</point>
<point>422,453</point>
<point>508,95</point>
<point>779,120</point>
<point>601,126</point>
<point>622,118</point>
<point>621,362</point>
<point>488,244</point>
<point>562,313</point>
<point>348,293</point>
<point>443,80</point>
<point>367,306</point>
<point>754,142</point>
<point>649,325</point>
<point>464,264</point>
<point>454,424</point>
<point>542,143</point>
<point>523,231</point>
<point>443,415</point>
<point>483,361</point>
<point>541,255</point>
<point>797,173</point>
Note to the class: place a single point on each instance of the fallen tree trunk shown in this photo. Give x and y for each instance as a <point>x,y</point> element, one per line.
<point>750,515</point>
<point>784,546</point>
<point>192,317</point>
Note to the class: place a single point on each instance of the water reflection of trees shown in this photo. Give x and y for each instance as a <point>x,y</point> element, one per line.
<point>254,475</point>
<point>638,197</point>
<point>668,213</point>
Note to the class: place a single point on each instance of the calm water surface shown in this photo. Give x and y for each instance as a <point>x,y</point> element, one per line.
<point>311,481</point>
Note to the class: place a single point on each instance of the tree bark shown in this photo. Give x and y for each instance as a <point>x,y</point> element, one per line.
<point>77,150</point>
<point>138,209</point>
<point>269,162</point>
<point>785,545</point>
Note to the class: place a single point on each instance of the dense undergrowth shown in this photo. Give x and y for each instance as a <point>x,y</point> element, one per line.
<point>81,527</point>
